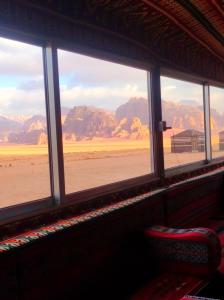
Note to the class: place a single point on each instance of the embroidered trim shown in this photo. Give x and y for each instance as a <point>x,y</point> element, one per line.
<point>33,235</point>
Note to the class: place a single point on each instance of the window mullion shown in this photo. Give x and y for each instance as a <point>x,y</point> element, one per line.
<point>54,123</point>
<point>156,119</point>
<point>206,99</point>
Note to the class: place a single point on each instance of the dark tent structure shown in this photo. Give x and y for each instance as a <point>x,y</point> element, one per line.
<point>189,140</point>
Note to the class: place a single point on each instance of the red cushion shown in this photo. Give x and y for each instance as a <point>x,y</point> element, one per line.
<point>194,251</point>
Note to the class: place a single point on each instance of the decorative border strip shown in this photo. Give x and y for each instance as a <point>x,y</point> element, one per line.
<point>207,170</point>
<point>197,177</point>
<point>197,298</point>
<point>43,231</point>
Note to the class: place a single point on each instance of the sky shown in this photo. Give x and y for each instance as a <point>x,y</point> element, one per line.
<point>83,81</point>
<point>89,81</point>
<point>21,78</point>
<point>178,90</point>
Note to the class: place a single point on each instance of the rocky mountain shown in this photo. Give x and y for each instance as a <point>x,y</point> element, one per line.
<point>34,137</point>
<point>88,122</point>
<point>83,122</point>
<point>33,132</point>
<point>130,121</point>
<point>7,126</point>
<point>18,118</point>
<point>135,107</point>
<point>36,122</point>
<point>217,120</point>
<point>131,129</point>
<point>182,116</point>
<point>64,112</point>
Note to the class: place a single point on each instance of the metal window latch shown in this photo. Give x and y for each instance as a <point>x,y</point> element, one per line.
<point>163,127</point>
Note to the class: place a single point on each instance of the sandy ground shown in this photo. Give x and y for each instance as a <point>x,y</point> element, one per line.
<point>26,177</point>
<point>23,179</point>
<point>24,170</point>
<point>113,167</point>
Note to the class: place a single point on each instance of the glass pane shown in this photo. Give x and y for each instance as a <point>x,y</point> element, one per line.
<point>105,117</point>
<point>24,166</point>
<point>217,121</point>
<point>182,109</point>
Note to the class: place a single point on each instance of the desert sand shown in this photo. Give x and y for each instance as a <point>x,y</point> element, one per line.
<point>24,169</point>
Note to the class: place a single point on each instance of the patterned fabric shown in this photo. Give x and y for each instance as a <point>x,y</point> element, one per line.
<point>197,298</point>
<point>192,252</point>
<point>164,229</point>
<point>221,237</point>
<point>196,251</point>
<point>43,231</point>
<point>196,174</point>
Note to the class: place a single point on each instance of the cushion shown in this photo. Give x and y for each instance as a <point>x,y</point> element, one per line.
<point>194,251</point>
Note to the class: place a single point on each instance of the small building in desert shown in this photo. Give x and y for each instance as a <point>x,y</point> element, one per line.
<point>189,140</point>
<point>221,140</point>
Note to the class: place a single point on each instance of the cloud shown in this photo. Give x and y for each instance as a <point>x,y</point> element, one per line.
<point>32,85</point>
<point>15,101</point>
<point>21,78</point>
<point>100,96</point>
<point>84,81</point>
<point>183,90</point>
<point>20,59</point>
<point>79,69</point>
<point>88,81</point>
<point>169,87</point>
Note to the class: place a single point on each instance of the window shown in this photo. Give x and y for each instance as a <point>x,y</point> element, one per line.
<point>217,121</point>
<point>106,124</point>
<point>182,109</point>
<point>105,121</point>
<point>24,165</point>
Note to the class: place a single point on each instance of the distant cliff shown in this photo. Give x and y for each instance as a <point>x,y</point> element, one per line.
<point>129,121</point>
<point>182,116</point>
<point>135,107</point>
<point>33,131</point>
<point>87,122</point>
<point>7,126</point>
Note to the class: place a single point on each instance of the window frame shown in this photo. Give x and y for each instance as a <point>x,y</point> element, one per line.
<point>28,208</point>
<point>206,83</point>
<point>188,167</point>
<point>52,100</point>
<point>85,195</point>
<point>58,198</point>
<point>220,86</point>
